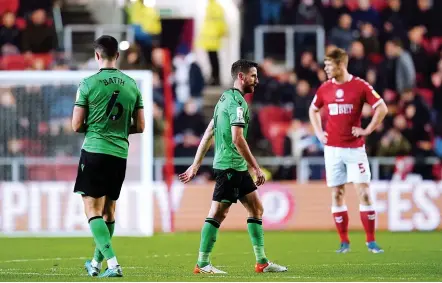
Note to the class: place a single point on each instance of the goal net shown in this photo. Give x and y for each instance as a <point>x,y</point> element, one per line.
<point>39,156</point>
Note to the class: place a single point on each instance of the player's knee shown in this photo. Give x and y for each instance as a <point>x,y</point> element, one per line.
<point>108,215</point>
<point>364,197</point>
<point>220,214</point>
<point>257,212</point>
<point>338,195</point>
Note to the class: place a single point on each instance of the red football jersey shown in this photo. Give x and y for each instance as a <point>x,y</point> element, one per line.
<point>343,104</point>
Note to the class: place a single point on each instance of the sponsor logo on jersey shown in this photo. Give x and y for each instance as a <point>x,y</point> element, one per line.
<point>340,109</point>
<point>240,114</point>
<point>371,216</point>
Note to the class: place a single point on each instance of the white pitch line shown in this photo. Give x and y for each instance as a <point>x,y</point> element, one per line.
<point>33,273</point>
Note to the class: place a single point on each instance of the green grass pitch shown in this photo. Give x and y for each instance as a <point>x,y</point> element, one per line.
<point>309,256</point>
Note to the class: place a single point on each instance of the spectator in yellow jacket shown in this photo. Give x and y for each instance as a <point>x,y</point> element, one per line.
<point>212,31</point>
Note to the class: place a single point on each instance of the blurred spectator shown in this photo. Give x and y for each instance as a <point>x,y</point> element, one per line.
<point>426,17</point>
<point>342,35</point>
<point>157,88</point>
<point>394,144</point>
<point>213,30</point>
<point>8,121</point>
<point>188,78</point>
<point>146,23</point>
<point>9,35</point>
<point>308,69</point>
<point>416,109</point>
<point>302,101</point>
<point>403,74</point>
<point>158,130</point>
<point>308,13</point>
<point>27,7</point>
<point>436,80</point>
<point>369,38</point>
<point>394,21</point>
<point>421,59</point>
<point>286,90</point>
<point>39,37</point>
<point>270,11</point>
<point>189,127</point>
<point>358,62</point>
<point>366,14</point>
<point>133,59</point>
<point>333,12</point>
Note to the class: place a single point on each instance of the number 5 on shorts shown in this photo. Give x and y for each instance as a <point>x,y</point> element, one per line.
<point>361,168</point>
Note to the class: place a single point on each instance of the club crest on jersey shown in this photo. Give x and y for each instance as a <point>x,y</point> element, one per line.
<point>339,95</point>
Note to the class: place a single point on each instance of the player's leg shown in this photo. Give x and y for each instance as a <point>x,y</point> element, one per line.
<point>223,196</point>
<point>109,218</point>
<point>116,173</point>
<point>360,175</point>
<point>336,175</point>
<point>98,174</point>
<point>209,233</point>
<point>94,212</point>
<point>340,217</point>
<point>368,216</point>
<point>250,199</point>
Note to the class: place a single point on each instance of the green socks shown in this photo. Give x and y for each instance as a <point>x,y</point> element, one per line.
<point>102,236</point>
<point>98,256</point>
<point>208,239</point>
<point>256,233</point>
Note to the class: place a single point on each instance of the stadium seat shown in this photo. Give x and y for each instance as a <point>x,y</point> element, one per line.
<point>13,62</point>
<point>9,6</point>
<point>46,57</point>
<point>379,5</point>
<point>275,122</point>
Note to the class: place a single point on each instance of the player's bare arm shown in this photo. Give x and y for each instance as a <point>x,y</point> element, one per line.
<point>78,117</point>
<point>243,148</point>
<point>203,147</point>
<point>381,111</point>
<point>137,126</point>
<point>315,120</point>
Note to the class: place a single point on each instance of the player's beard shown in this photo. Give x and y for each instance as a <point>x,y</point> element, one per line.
<point>250,88</point>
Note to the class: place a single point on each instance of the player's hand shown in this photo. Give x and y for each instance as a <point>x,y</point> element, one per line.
<point>190,173</point>
<point>322,137</point>
<point>359,132</point>
<point>260,178</point>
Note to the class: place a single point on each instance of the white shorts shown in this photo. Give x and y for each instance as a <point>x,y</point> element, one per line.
<point>346,165</point>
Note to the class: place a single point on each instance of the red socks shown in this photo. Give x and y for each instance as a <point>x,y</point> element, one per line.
<point>368,219</point>
<point>340,217</point>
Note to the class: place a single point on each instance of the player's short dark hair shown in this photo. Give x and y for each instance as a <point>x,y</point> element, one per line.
<point>107,46</point>
<point>242,66</point>
<point>337,56</point>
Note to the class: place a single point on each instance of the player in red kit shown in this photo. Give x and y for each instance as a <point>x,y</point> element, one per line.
<point>343,97</point>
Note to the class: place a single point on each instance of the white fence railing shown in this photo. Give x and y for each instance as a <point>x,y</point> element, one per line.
<point>302,165</point>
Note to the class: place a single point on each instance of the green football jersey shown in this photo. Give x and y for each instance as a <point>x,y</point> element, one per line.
<point>110,98</point>
<point>231,110</point>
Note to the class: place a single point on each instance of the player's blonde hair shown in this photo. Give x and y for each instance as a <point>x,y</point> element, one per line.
<point>337,56</point>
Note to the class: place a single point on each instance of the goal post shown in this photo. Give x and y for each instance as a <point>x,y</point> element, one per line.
<point>39,156</point>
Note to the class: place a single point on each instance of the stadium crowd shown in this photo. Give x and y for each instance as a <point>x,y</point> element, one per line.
<point>395,45</point>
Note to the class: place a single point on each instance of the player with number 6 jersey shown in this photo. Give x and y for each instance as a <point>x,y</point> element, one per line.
<point>108,108</point>
<point>343,97</point>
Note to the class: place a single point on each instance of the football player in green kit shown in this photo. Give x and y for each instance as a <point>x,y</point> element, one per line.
<point>106,104</point>
<point>229,127</point>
